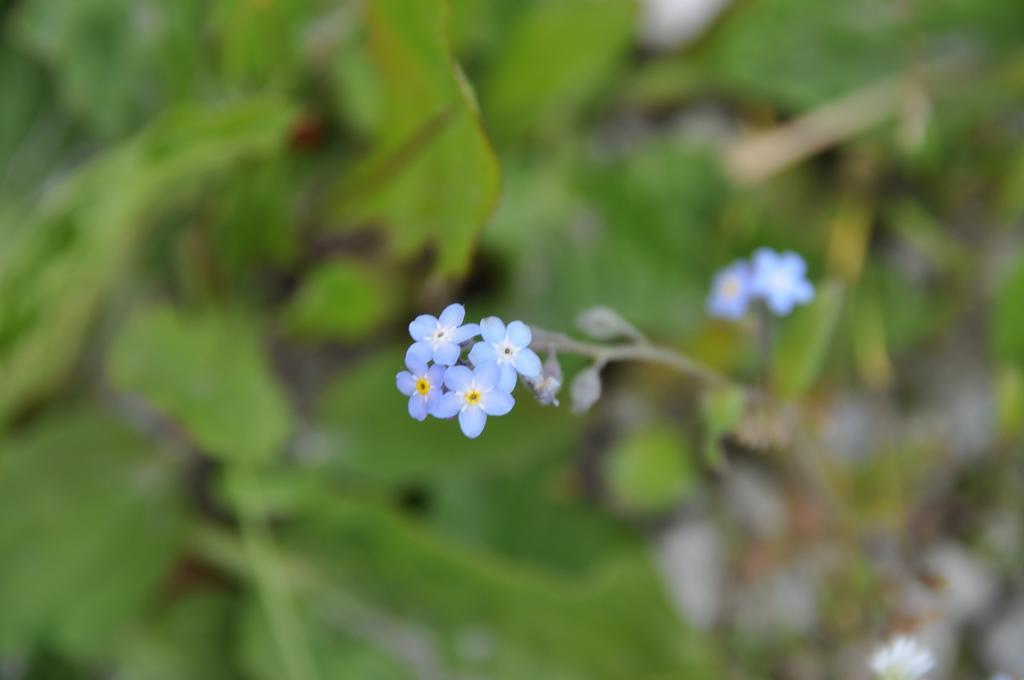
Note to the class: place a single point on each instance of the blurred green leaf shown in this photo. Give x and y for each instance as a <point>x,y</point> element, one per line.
<point>76,492</point>
<point>433,178</point>
<point>650,469</point>
<point>185,638</point>
<point>208,372</point>
<point>559,54</point>
<point>721,407</point>
<point>343,299</point>
<point>1008,316</point>
<point>60,264</point>
<point>496,619</point>
<point>805,339</point>
<point>115,60</point>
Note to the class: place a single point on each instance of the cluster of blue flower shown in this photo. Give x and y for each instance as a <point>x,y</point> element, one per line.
<point>474,390</point>
<point>780,279</point>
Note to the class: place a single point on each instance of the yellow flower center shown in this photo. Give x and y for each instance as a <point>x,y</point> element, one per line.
<point>423,386</point>
<point>473,397</point>
<point>731,288</point>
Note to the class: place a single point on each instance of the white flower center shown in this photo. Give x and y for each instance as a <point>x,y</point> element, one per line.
<point>441,335</point>
<point>780,281</point>
<point>505,351</point>
<point>472,397</point>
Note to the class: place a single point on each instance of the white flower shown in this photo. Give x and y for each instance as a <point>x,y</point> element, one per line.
<point>903,658</point>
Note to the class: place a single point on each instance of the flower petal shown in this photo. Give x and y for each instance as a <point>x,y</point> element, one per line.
<point>482,353</point>
<point>793,263</point>
<point>463,333</point>
<point>447,353</point>
<point>507,380</point>
<point>453,315</point>
<point>493,329</point>
<point>436,377</point>
<point>405,382</point>
<point>519,334</point>
<point>415,360</point>
<point>432,399</point>
<point>447,406</point>
<point>418,407</point>
<point>472,421</point>
<point>422,326</point>
<point>458,378</point>
<point>420,351</point>
<point>486,376</point>
<point>528,363</point>
<point>497,403</point>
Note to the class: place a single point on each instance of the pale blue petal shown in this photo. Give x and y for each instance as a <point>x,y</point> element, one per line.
<point>803,292</point>
<point>417,407</point>
<point>457,378</point>
<point>507,381</point>
<point>447,406</point>
<point>482,353</point>
<point>405,382</point>
<point>472,422</point>
<point>463,333</point>
<point>492,329</point>
<point>528,363</point>
<point>781,303</point>
<point>420,351</point>
<point>436,377</point>
<point>794,264</point>
<point>486,376</point>
<point>519,333</point>
<point>433,399</point>
<point>447,353</point>
<point>415,361</point>
<point>422,326</point>
<point>765,259</point>
<point>453,315</point>
<point>497,403</point>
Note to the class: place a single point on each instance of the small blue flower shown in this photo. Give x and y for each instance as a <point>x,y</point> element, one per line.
<point>475,394</point>
<point>508,348</point>
<point>780,280</point>
<point>421,384</point>
<point>438,339</point>
<point>730,291</point>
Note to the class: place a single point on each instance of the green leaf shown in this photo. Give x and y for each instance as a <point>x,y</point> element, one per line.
<point>208,372</point>
<point>650,470</point>
<point>557,57</point>
<point>432,178</point>
<point>1008,317</point>
<point>721,407</point>
<point>115,61</point>
<point>343,300</point>
<point>488,617</point>
<point>60,264</point>
<point>806,335</point>
<point>76,492</point>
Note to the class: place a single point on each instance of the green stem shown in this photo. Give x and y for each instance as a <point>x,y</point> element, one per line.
<point>276,599</point>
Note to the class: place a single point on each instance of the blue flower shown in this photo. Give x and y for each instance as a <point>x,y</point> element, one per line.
<point>421,384</point>
<point>730,291</point>
<point>780,280</point>
<point>508,348</point>
<point>439,338</point>
<point>475,394</point>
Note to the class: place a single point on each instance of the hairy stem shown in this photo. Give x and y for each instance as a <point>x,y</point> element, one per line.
<point>639,350</point>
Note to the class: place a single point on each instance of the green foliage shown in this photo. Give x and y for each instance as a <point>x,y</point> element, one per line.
<point>209,372</point>
<point>650,470</point>
<point>433,177</point>
<point>804,344</point>
<point>76,492</point>
<point>343,300</point>
<point>58,267</point>
<point>1008,320</point>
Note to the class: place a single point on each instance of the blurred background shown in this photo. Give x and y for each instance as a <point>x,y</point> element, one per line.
<point>217,218</point>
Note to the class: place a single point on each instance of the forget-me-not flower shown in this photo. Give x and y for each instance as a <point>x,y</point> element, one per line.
<point>421,384</point>
<point>439,338</point>
<point>780,279</point>
<point>730,291</point>
<point>475,394</point>
<point>509,348</point>
<point>903,658</point>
